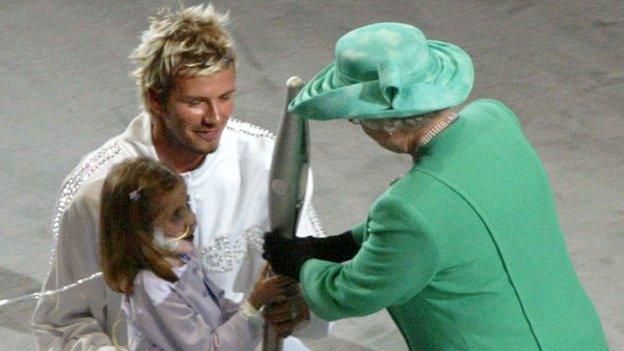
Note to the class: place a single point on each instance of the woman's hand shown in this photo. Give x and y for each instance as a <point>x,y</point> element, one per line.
<point>286,256</point>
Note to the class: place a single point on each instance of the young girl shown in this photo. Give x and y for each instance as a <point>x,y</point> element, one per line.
<point>147,254</point>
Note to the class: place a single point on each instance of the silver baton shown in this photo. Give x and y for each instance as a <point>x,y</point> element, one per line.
<point>287,184</point>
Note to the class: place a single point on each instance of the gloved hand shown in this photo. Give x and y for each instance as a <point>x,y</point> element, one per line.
<point>286,256</point>
<point>289,255</point>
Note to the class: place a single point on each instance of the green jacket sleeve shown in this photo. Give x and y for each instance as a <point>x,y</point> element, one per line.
<point>398,258</point>
<point>358,233</point>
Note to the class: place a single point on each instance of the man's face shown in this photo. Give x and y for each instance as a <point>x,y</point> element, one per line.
<point>197,111</point>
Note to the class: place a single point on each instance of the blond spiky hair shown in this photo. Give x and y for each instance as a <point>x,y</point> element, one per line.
<point>188,42</point>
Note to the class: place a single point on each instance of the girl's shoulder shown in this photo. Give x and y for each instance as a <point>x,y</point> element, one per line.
<point>156,288</point>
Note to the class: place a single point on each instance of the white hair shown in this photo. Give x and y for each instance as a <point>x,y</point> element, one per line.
<point>188,42</point>
<point>391,125</point>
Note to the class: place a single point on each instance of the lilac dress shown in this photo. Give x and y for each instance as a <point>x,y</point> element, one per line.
<point>190,314</point>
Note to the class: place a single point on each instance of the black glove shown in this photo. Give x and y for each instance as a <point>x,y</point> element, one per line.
<point>336,248</point>
<point>286,256</point>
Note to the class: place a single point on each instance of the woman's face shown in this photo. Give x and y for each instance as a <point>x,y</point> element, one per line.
<point>176,218</point>
<point>399,142</point>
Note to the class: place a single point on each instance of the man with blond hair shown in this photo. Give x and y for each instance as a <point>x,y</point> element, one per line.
<point>186,77</point>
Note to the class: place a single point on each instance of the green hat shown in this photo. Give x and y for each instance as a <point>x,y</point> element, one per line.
<point>387,70</point>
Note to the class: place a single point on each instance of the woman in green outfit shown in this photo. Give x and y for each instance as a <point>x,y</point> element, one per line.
<point>465,250</point>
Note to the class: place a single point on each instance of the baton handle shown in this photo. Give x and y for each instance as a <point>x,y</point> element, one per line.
<point>271,341</point>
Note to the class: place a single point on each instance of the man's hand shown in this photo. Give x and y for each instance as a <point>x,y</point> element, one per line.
<point>270,288</point>
<point>288,313</point>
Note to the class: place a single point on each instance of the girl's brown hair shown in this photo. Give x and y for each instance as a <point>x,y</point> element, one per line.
<point>129,204</point>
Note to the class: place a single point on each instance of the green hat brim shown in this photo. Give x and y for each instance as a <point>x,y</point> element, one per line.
<point>327,96</point>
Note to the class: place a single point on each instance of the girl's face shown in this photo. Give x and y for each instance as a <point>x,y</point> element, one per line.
<point>176,217</point>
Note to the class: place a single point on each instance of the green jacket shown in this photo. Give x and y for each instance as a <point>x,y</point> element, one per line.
<point>465,250</point>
